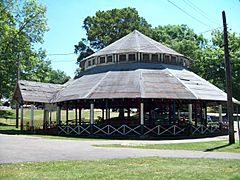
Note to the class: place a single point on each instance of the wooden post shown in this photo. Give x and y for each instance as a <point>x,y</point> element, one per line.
<point>17,114</point>
<point>201,114</point>
<point>228,82</point>
<point>91,117</point>
<point>91,113</point>
<point>32,117</point>
<point>190,112</point>
<point>205,115</point>
<point>103,114</point>
<point>58,115</point>
<point>128,113</point>
<point>195,113</point>
<point>80,115</point>
<point>21,116</point>
<point>141,113</point>
<point>220,113</point>
<point>107,111</point>
<point>50,118</point>
<point>76,115</point>
<point>142,117</point>
<point>45,119</point>
<point>67,114</point>
<point>238,126</point>
<point>174,112</point>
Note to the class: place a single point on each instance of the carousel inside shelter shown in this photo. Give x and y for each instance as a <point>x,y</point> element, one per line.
<point>133,87</point>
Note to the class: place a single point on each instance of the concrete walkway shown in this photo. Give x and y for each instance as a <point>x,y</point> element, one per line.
<point>18,148</point>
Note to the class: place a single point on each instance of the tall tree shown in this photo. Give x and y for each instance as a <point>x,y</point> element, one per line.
<point>180,38</point>
<point>108,26</point>
<point>22,24</point>
<point>210,65</point>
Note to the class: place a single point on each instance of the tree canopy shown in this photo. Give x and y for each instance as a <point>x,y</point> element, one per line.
<point>207,55</point>
<point>22,25</point>
<point>108,26</point>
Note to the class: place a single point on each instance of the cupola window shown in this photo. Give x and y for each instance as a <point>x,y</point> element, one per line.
<point>146,57</point>
<point>109,59</point>
<point>122,57</point>
<point>154,58</point>
<point>174,59</point>
<point>167,59</point>
<point>132,57</point>
<point>102,60</point>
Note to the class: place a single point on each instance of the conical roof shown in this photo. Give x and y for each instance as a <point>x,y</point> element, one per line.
<point>135,42</point>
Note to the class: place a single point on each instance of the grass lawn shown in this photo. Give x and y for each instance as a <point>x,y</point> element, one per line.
<point>221,146</point>
<point>130,168</point>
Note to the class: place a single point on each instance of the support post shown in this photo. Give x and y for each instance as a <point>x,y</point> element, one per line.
<point>228,82</point>
<point>190,112</point>
<point>238,126</point>
<point>76,115</point>
<point>67,114</point>
<point>174,112</point>
<point>32,117</point>
<point>107,111</point>
<point>58,115</point>
<point>17,114</point>
<point>102,114</point>
<point>220,113</point>
<point>190,118</point>
<point>142,117</point>
<point>45,119</point>
<point>128,114</point>
<point>21,117</point>
<point>91,116</point>
<point>179,114</point>
<point>205,115</point>
<point>80,115</point>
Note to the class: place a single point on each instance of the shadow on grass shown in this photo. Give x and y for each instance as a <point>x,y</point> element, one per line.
<point>218,147</point>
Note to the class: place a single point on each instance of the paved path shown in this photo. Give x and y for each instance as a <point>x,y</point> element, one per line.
<point>17,148</point>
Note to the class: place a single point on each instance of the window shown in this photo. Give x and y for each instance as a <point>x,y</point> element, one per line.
<point>102,60</point>
<point>166,59</point>
<point>174,59</point>
<point>93,61</point>
<point>132,57</point>
<point>122,57</point>
<point>146,57</point>
<point>109,59</point>
<point>154,58</point>
<point>89,63</point>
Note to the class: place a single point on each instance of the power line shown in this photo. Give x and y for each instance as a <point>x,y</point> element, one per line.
<point>199,11</point>
<point>56,61</point>
<point>189,14</point>
<point>60,54</point>
<point>220,27</point>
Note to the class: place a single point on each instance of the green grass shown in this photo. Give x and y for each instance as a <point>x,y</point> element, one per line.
<point>130,168</point>
<point>221,146</point>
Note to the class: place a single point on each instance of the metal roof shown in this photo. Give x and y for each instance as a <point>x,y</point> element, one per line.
<point>132,43</point>
<point>136,80</point>
<point>140,80</point>
<point>30,91</point>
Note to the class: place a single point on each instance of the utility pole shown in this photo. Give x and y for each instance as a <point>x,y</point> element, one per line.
<point>18,78</point>
<point>228,81</point>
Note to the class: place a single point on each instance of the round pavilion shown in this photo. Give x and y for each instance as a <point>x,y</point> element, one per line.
<point>139,86</point>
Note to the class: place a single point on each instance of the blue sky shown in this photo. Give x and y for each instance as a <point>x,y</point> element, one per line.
<point>65,20</point>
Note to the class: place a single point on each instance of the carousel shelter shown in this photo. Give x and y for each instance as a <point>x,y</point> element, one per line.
<point>145,83</point>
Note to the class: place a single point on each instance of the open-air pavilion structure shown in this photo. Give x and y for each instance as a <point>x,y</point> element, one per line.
<point>147,83</point>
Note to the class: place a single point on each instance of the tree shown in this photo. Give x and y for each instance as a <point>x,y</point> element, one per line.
<point>22,24</point>
<point>210,65</point>
<point>180,38</point>
<point>108,26</point>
